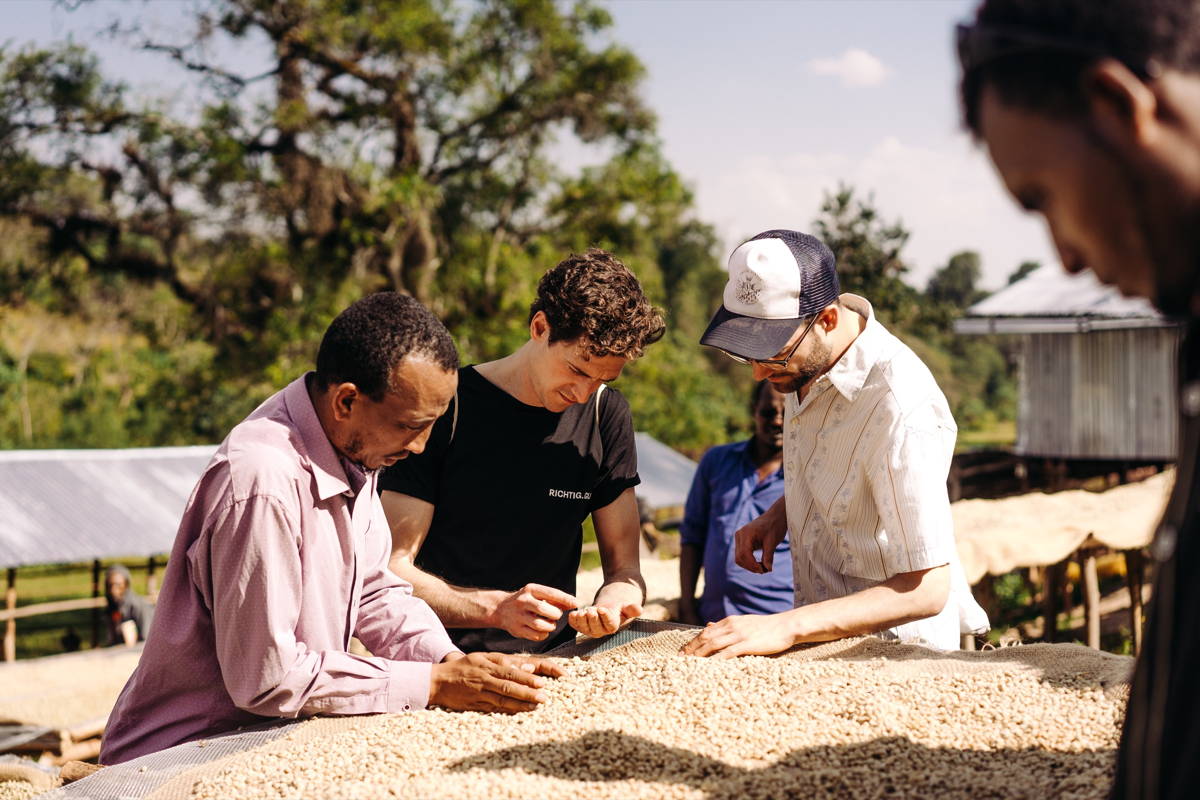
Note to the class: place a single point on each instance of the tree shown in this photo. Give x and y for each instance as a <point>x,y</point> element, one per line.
<point>1021,271</point>
<point>956,283</point>
<point>383,145</point>
<point>867,250</point>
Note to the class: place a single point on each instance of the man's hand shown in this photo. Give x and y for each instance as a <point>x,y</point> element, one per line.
<point>490,682</point>
<point>532,611</point>
<point>749,635</point>
<point>601,620</point>
<point>764,533</point>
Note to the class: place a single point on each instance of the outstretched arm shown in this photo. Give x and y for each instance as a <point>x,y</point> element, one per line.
<point>902,598</point>
<point>619,601</point>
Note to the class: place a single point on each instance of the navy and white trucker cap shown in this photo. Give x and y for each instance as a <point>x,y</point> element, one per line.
<point>776,279</point>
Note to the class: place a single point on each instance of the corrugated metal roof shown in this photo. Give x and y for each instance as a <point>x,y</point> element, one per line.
<point>59,506</point>
<point>1049,299</point>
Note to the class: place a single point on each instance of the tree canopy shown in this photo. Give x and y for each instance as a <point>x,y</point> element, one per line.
<point>168,262</point>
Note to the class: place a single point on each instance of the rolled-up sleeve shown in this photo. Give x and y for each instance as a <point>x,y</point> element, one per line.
<point>247,565</point>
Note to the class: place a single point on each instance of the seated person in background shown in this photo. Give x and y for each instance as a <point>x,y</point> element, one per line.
<point>486,523</point>
<point>282,554</point>
<point>735,484</point>
<point>129,614</point>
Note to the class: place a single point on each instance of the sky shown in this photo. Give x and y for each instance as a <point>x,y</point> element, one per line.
<point>763,106</point>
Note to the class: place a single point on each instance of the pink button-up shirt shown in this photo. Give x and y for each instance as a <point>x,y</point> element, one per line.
<point>279,560</point>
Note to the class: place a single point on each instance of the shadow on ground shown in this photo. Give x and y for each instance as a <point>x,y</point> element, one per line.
<point>884,767</point>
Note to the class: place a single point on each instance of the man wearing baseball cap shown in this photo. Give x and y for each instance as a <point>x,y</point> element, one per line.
<point>868,439</point>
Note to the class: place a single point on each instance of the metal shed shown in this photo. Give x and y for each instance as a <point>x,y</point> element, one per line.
<point>1097,370</point>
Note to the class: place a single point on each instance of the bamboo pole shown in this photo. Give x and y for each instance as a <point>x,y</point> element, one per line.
<point>1134,575</point>
<point>1051,596</point>
<point>1091,598</point>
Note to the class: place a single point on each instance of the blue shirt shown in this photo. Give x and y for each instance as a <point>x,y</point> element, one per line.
<point>725,495</point>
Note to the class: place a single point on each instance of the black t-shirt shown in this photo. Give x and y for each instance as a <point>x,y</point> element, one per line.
<point>511,489</point>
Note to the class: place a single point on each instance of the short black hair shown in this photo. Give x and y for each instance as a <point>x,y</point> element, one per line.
<point>364,344</point>
<point>1065,38</point>
<point>756,393</point>
<point>594,297</point>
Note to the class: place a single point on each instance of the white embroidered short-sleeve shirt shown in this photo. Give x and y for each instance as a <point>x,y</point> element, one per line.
<point>866,455</point>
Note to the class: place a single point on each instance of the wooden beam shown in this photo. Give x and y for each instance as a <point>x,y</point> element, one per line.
<point>1091,597</point>
<point>53,607</point>
<point>151,579</point>
<point>10,627</point>
<point>1135,571</point>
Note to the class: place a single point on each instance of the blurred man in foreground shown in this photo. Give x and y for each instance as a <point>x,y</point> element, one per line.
<point>868,439</point>
<point>1091,114</point>
<point>282,555</point>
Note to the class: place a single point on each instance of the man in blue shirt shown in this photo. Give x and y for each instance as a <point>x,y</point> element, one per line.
<point>735,484</point>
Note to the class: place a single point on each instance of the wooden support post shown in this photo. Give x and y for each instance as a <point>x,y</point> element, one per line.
<point>1051,595</point>
<point>96,611</point>
<point>1033,580</point>
<point>151,580</point>
<point>1134,575</point>
<point>10,628</point>
<point>1091,597</point>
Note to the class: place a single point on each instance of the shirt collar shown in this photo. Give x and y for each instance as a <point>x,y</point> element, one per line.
<point>850,372</point>
<point>323,459</point>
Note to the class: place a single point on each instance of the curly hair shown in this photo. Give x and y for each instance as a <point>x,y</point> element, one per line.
<point>1073,34</point>
<point>594,298</point>
<point>365,342</point>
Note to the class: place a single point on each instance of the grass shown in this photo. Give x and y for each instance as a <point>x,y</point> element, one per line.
<point>42,635</point>
<point>996,435</point>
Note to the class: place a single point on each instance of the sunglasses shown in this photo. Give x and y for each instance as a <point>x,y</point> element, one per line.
<point>775,363</point>
<point>982,44</point>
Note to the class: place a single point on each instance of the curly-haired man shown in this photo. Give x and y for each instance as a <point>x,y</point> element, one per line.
<point>486,523</point>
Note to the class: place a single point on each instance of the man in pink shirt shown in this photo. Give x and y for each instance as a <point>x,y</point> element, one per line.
<point>282,555</point>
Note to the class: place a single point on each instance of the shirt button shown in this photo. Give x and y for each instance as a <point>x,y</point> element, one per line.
<point>1189,399</point>
<point>407,707</point>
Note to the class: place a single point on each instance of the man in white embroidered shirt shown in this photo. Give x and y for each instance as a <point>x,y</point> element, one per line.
<point>868,439</point>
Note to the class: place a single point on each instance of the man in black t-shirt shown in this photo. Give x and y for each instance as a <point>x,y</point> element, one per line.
<point>1089,111</point>
<point>486,523</point>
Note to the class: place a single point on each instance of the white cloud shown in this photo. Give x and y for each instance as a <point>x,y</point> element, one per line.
<point>948,198</point>
<point>855,68</point>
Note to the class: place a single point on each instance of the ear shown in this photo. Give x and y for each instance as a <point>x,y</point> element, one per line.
<point>539,327</point>
<point>342,398</point>
<point>1123,109</point>
<point>829,318</point>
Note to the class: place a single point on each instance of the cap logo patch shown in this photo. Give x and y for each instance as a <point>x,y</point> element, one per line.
<point>748,288</point>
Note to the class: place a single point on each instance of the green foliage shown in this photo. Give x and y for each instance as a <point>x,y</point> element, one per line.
<point>1022,270</point>
<point>167,270</point>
